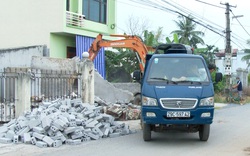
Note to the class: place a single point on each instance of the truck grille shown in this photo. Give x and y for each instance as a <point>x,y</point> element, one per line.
<point>185,103</point>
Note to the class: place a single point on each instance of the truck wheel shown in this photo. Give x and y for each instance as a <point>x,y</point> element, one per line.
<point>146,132</point>
<point>204,132</point>
<point>137,99</point>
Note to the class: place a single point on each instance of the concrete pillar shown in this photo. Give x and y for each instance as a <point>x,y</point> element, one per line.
<point>243,74</point>
<point>87,70</point>
<point>23,103</point>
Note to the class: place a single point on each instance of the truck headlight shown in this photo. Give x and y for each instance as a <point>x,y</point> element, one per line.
<point>146,101</point>
<point>207,101</point>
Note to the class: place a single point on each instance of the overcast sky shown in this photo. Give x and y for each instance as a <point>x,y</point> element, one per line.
<point>212,15</point>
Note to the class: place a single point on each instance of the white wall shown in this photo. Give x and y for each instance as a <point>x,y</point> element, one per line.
<point>239,68</point>
<point>20,57</point>
<point>29,22</point>
<point>236,63</point>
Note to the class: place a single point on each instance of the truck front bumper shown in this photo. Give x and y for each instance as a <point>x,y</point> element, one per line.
<point>155,115</point>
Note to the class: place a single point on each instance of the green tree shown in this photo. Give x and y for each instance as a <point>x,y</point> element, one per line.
<point>208,53</point>
<point>247,57</point>
<point>120,64</point>
<point>187,33</point>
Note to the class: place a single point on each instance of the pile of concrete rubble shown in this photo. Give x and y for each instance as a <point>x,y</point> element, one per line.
<point>69,121</point>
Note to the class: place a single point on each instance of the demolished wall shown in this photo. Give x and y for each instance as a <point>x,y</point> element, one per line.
<point>62,122</point>
<point>109,93</point>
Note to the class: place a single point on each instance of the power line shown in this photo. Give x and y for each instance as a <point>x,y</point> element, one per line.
<point>211,4</point>
<point>161,6</point>
<point>240,23</point>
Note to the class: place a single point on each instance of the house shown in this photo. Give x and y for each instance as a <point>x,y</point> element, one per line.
<point>236,61</point>
<point>66,27</point>
<point>238,66</point>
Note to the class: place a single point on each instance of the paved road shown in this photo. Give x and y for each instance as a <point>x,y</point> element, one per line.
<point>229,136</point>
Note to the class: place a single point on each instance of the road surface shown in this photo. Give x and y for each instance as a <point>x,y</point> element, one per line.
<point>229,136</point>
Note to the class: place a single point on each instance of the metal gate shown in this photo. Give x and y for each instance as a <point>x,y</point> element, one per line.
<point>45,85</point>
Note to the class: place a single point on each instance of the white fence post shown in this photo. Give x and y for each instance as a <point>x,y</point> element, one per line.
<point>23,94</point>
<point>87,70</point>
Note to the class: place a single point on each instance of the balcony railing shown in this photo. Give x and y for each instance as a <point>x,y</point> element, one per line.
<point>74,19</point>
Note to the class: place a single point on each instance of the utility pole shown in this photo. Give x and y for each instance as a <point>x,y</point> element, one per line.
<point>228,49</point>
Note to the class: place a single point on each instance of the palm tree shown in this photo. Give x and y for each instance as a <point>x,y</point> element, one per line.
<point>187,34</point>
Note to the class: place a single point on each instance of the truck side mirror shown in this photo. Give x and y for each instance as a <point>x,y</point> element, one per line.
<point>137,75</point>
<point>218,77</point>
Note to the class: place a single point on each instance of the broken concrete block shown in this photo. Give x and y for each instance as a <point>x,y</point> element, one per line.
<point>63,117</point>
<point>46,121</point>
<point>5,140</point>
<point>38,136</point>
<point>97,130</point>
<point>76,136</point>
<point>63,138</point>
<point>76,102</point>
<point>71,118</point>
<point>54,128</point>
<point>93,136</point>
<point>63,108</point>
<point>33,123</point>
<point>57,143</point>
<point>69,141</point>
<point>51,133</point>
<point>106,132</point>
<point>41,144</point>
<point>72,124</point>
<point>60,124</point>
<point>48,140</point>
<point>26,138</point>
<point>10,134</point>
<point>12,127</point>
<point>112,135</point>
<point>15,139</point>
<point>33,140</point>
<point>91,124</point>
<point>76,142</point>
<point>23,123</point>
<point>38,130</point>
<point>70,130</point>
<point>22,131</point>
<point>85,139</point>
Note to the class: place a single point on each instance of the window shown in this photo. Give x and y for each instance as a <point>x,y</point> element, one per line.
<point>95,10</point>
<point>164,69</point>
<point>67,5</point>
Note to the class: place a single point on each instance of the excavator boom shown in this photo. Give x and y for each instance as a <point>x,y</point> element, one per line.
<point>131,42</point>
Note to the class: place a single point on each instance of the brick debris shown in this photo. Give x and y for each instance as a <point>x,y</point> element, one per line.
<point>68,121</point>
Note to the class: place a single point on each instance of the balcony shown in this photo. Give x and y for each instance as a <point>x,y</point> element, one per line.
<point>74,19</point>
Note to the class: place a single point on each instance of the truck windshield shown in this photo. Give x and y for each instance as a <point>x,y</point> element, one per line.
<point>177,70</point>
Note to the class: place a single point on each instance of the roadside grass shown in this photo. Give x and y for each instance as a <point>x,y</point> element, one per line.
<point>221,98</point>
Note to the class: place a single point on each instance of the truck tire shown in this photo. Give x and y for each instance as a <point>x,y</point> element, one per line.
<point>204,132</point>
<point>146,132</point>
<point>137,99</point>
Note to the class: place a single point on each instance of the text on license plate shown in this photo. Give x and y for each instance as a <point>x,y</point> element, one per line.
<point>178,114</point>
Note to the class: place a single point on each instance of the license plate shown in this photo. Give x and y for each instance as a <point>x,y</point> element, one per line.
<point>177,114</point>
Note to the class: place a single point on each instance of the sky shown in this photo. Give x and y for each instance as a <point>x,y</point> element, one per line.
<point>213,15</point>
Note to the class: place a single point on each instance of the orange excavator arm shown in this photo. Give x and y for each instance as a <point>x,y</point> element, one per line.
<point>132,42</point>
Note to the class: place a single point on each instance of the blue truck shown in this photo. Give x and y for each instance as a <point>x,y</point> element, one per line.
<point>177,92</point>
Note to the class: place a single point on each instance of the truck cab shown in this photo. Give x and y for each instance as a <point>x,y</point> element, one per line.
<point>176,92</point>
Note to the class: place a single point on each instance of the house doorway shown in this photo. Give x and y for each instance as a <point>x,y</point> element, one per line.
<point>71,52</point>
